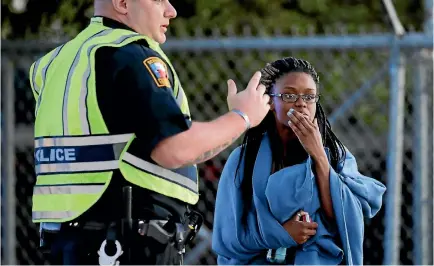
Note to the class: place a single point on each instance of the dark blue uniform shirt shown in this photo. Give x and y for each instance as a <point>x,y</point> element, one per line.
<point>130,101</point>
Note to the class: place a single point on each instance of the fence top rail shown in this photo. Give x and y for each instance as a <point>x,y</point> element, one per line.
<point>341,42</point>
<point>310,43</point>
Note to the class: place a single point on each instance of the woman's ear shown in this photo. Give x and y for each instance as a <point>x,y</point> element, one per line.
<point>317,110</point>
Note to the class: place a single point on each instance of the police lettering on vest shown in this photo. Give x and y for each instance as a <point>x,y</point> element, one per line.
<point>55,155</point>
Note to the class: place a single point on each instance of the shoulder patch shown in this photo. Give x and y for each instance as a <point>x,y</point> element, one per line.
<point>158,70</point>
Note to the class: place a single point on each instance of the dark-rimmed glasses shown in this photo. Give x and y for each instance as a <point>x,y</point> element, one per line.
<point>292,98</point>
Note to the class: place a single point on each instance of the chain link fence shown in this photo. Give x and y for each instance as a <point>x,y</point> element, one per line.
<point>356,78</point>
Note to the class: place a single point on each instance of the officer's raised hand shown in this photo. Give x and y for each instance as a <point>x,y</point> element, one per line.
<point>252,101</point>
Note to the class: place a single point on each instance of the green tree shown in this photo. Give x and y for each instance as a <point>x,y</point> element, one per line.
<point>70,16</point>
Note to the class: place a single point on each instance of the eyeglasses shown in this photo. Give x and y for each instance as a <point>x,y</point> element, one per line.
<point>292,98</point>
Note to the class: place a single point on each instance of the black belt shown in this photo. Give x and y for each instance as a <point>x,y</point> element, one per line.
<point>85,225</point>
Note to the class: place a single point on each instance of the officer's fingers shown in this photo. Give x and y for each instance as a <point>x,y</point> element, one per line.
<point>266,98</point>
<point>254,81</point>
<point>232,88</point>
<point>261,89</point>
<point>267,108</point>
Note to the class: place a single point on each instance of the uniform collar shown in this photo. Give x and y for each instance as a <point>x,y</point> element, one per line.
<point>111,23</point>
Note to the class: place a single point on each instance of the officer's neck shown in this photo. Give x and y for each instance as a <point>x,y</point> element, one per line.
<point>122,19</point>
<point>112,16</point>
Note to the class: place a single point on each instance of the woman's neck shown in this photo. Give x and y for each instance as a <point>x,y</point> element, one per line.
<point>288,150</point>
<point>287,137</point>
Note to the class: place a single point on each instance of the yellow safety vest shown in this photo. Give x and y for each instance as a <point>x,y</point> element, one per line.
<point>75,154</point>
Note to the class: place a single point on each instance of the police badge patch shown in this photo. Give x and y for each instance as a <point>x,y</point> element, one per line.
<point>158,70</point>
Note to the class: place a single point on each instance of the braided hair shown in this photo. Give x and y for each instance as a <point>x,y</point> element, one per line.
<point>253,137</point>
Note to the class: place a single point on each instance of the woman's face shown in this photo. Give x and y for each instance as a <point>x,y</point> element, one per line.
<point>293,83</point>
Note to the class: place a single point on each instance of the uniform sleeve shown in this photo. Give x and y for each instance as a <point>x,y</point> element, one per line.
<point>142,89</point>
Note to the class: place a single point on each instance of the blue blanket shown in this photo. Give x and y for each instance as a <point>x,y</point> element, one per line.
<point>277,197</point>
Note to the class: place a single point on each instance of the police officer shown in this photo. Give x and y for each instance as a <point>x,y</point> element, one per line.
<point>111,114</point>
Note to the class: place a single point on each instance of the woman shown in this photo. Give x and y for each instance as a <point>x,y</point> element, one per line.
<point>292,166</point>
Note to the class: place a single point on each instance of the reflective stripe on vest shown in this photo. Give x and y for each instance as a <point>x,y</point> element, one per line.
<point>44,76</point>
<point>83,84</point>
<point>70,189</point>
<point>85,125</point>
<point>171,176</point>
<point>84,79</point>
<point>81,140</point>
<point>54,215</point>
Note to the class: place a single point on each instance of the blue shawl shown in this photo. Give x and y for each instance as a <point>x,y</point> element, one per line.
<point>277,197</point>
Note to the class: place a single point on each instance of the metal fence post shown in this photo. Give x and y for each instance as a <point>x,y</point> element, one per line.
<point>422,241</point>
<point>8,164</point>
<point>431,172</point>
<point>394,158</point>
<point>429,20</point>
<point>420,165</point>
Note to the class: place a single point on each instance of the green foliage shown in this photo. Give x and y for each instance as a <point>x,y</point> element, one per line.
<point>285,15</point>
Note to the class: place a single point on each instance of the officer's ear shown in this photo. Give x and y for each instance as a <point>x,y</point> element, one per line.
<point>120,6</point>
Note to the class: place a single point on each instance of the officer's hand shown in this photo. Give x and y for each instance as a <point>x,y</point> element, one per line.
<point>300,231</point>
<point>252,101</point>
